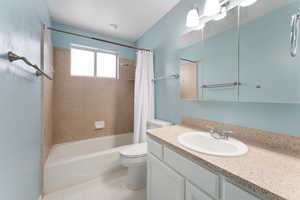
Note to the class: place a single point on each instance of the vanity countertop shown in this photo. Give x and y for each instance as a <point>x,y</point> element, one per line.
<point>274,174</point>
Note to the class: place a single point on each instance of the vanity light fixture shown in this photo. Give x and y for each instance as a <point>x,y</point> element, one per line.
<point>192,18</point>
<point>200,26</point>
<point>113,26</point>
<point>222,14</point>
<point>212,7</point>
<point>246,3</point>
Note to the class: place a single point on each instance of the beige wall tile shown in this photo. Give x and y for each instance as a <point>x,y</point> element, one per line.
<point>80,101</point>
<point>47,117</point>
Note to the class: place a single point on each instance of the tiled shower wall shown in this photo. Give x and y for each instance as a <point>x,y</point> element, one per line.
<point>47,117</point>
<point>80,101</point>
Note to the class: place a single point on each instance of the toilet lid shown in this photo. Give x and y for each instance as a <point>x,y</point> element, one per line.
<point>135,150</point>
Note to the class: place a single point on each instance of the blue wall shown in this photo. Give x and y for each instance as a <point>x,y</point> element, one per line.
<point>64,41</point>
<point>223,46</point>
<point>20,100</point>
<point>163,39</point>
<point>272,59</point>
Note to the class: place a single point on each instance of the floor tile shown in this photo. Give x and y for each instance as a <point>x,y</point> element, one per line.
<point>110,187</point>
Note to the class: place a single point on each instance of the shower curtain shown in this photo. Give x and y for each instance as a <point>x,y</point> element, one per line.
<point>143,95</point>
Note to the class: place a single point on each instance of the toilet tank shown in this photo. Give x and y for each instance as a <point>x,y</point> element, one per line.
<point>156,123</point>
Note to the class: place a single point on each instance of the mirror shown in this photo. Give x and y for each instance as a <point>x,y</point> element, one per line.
<point>215,48</point>
<point>221,58</point>
<point>188,79</point>
<point>252,55</point>
<point>268,71</point>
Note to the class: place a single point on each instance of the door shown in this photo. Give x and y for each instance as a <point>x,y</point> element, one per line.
<point>163,183</point>
<point>193,193</point>
<point>220,62</point>
<point>269,72</point>
<point>232,192</point>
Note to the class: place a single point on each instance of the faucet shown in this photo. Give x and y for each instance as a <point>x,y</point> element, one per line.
<point>219,135</point>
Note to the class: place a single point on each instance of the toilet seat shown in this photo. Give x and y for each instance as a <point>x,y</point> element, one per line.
<point>134,155</point>
<point>135,150</point>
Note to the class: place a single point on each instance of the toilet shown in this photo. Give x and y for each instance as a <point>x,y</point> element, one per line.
<point>135,158</point>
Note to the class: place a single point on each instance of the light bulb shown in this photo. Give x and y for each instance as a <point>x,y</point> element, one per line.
<point>200,26</point>
<point>212,7</point>
<point>246,3</point>
<point>192,19</point>
<point>221,15</point>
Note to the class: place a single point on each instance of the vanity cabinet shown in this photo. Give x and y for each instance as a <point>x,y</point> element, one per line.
<point>200,176</point>
<point>163,182</point>
<point>173,176</point>
<point>193,193</point>
<point>232,192</point>
<point>155,148</point>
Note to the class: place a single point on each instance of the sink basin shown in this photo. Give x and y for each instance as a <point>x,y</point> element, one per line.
<point>203,142</point>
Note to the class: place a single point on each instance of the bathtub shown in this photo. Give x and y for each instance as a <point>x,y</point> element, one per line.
<point>77,162</point>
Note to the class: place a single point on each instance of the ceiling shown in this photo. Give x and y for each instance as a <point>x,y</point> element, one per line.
<point>133,17</point>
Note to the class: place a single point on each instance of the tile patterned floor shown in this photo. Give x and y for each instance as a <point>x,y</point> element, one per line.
<point>112,187</point>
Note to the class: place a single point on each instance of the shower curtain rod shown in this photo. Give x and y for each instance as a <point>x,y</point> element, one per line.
<point>97,39</point>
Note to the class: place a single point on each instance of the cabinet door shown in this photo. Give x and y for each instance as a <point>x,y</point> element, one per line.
<point>162,182</point>
<point>232,192</point>
<point>193,193</point>
<point>220,63</point>
<point>199,176</point>
<point>155,148</point>
<point>268,71</point>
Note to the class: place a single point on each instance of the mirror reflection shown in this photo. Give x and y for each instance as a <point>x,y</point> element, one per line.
<point>269,64</point>
<point>248,51</point>
<point>188,79</point>
<point>216,47</point>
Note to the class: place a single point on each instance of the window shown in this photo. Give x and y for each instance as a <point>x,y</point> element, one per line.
<point>93,63</point>
<point>82,62</point>
<point>106,65</point>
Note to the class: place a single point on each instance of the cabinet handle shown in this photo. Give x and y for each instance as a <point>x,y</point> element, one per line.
<point>294,34</point>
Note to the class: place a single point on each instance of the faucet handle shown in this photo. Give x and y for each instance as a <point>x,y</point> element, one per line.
<point>211,129</point>
<point>227,133</point>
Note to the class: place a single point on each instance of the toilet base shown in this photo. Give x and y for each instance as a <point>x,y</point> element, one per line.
<point>136,179</point>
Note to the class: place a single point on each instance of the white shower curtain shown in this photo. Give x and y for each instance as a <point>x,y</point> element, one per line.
<point>143,95</point>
